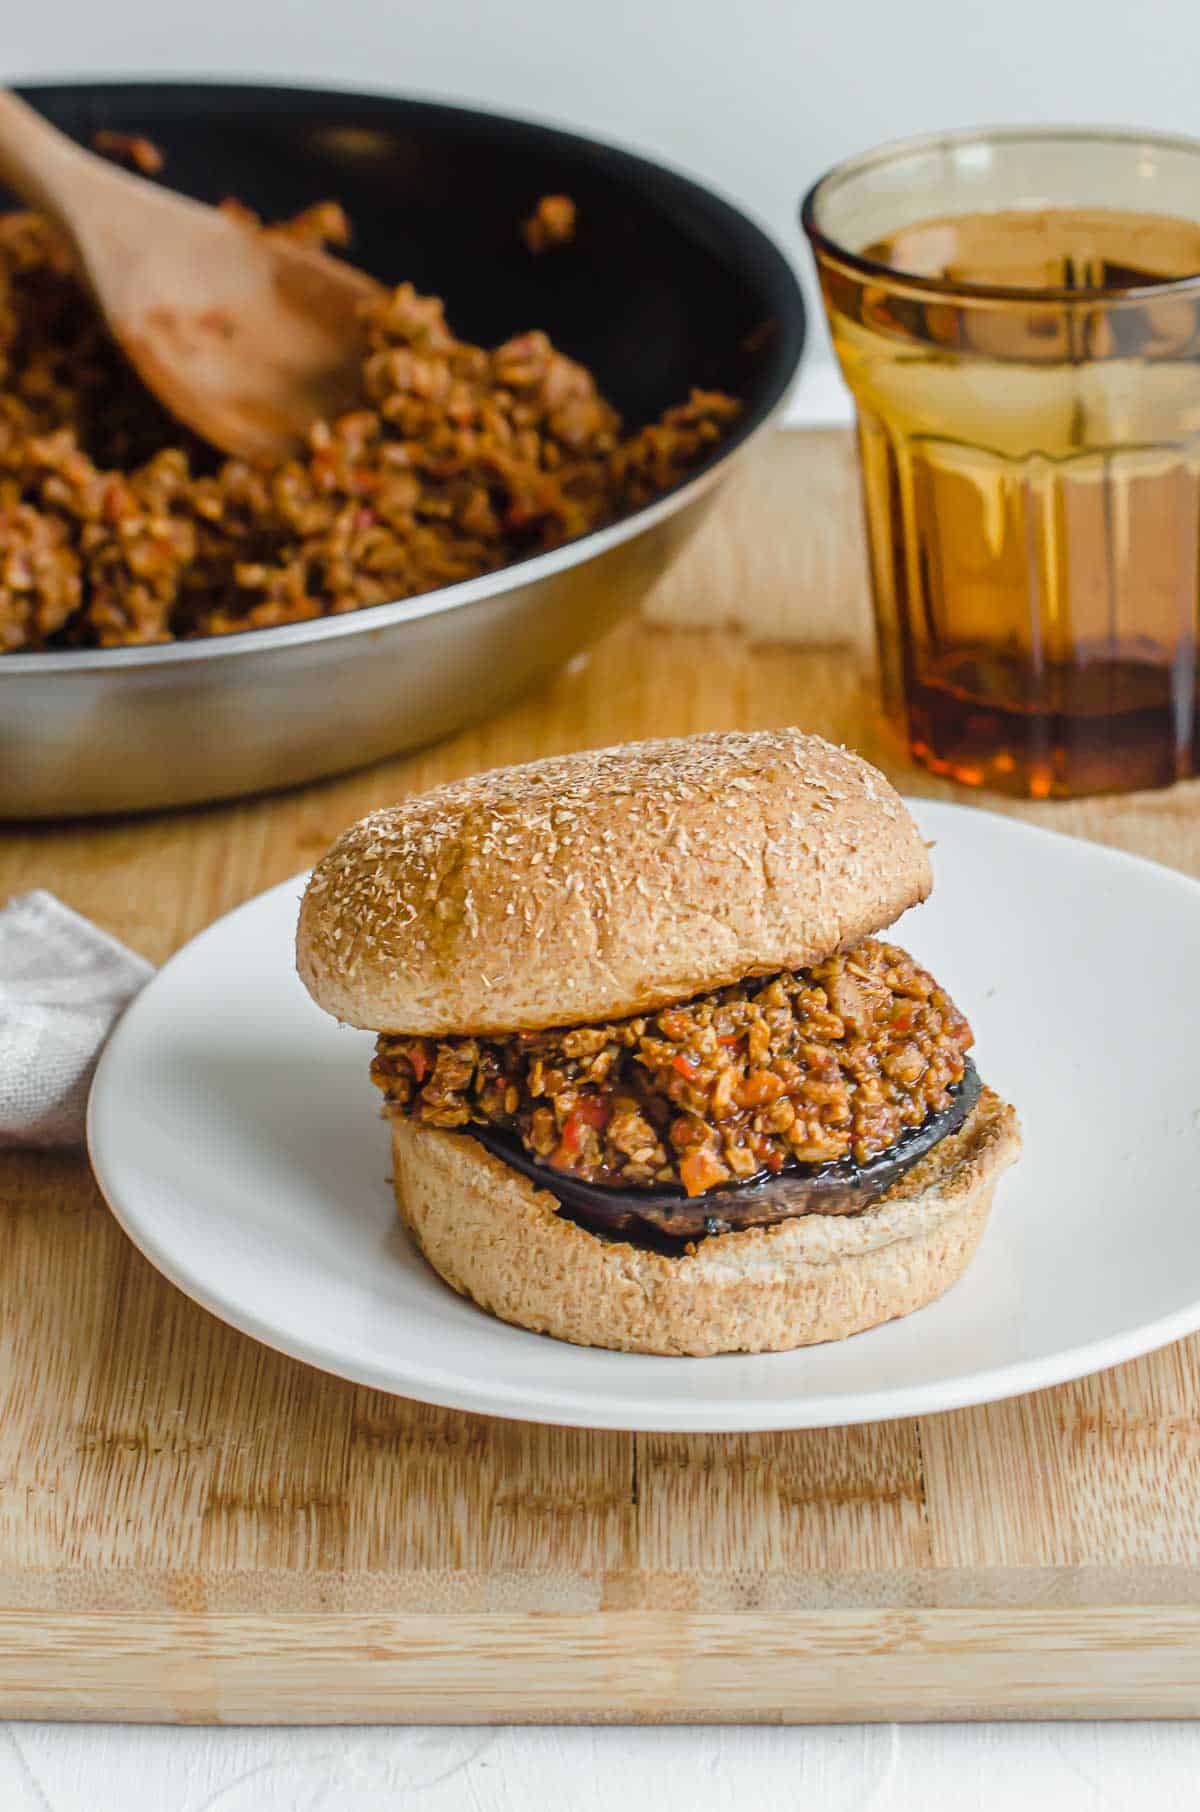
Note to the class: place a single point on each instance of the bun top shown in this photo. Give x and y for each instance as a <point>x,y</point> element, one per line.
<point>591,886</point>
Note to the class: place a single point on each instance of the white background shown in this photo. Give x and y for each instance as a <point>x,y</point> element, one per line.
<point>756,97</point>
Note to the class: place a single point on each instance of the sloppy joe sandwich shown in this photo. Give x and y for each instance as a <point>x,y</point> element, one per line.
<point>654,1082</point>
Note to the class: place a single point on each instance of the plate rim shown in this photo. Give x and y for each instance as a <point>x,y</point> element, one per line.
<point>683,1414</point>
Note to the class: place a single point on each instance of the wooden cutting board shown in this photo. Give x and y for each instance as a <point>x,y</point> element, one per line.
<point>195,1529</point>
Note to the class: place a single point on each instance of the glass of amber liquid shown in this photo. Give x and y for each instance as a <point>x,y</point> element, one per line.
<point>1017,313</point>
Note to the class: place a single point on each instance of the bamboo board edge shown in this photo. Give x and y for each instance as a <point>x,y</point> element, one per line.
<point>634,1667</point>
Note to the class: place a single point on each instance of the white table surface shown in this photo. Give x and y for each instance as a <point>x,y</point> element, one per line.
<point>848,1768</point>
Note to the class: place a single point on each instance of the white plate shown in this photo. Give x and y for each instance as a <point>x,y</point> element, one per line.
<point>238,1140</point>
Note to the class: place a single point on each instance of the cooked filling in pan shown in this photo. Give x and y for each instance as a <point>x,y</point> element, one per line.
<point>824,1070</point>
<point>118,527</point>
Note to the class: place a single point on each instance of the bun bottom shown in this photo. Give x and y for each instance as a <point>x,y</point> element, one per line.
<point>497,1238</point>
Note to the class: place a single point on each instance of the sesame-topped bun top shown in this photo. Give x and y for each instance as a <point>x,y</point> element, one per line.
<point>591,886</point>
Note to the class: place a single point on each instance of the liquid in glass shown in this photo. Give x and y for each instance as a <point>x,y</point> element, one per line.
<point>1029,434</point>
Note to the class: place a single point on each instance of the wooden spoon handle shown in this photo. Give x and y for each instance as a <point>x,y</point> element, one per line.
<point>35,157</point>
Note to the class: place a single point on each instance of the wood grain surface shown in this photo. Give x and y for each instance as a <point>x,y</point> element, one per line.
<point>194,1528</point>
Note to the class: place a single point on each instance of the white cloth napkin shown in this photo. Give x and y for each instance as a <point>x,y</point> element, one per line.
<point>63,985</point>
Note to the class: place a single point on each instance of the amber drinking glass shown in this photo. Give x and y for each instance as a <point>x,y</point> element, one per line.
<point>1017,313</point>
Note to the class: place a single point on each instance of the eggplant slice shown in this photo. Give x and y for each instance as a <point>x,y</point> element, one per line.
<point>654,1214</point>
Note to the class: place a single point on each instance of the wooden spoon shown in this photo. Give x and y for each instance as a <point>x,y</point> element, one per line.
<point>243,336</point>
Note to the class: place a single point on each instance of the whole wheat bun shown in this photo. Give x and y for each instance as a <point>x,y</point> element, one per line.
<point>591,886</point>
<point>495,1237</point>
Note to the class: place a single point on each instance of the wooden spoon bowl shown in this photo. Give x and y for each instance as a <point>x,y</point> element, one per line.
<point>244,335</point>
